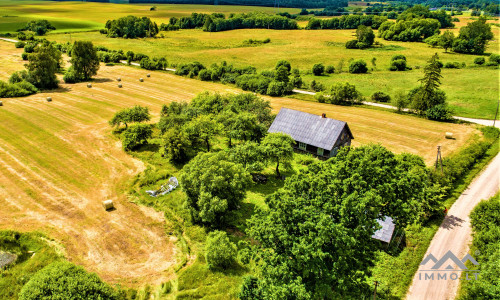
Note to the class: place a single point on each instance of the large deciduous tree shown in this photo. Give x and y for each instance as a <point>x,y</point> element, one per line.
<point>43,64</point>
<point>316,235</point>
<point>126,116</point>
<point>474,37</point>
<point>84,59</point>
<point>213,187</point>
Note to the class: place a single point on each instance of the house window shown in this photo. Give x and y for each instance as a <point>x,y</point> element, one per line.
<point>320,152</point>
<point>302,146</point>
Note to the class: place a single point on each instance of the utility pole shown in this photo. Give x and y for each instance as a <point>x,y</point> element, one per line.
<point>496,113</point>
<point>375,291</point>
<point>439,159</point>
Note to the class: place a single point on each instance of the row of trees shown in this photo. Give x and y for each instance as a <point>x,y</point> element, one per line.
<point>270,3</point>
<point>346,22</point>
<point>131,27</point>
<point>39,27</point>
<point>413,30</point>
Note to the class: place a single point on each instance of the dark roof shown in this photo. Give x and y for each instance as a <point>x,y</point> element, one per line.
<point>385,233</point>
<point>308,128</point>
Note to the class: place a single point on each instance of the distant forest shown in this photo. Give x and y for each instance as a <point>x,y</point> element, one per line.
<point>269,3</point>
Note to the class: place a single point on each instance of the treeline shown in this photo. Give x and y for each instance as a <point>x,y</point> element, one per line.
<point>130,27</point>
<point>347,22</point>
<point>269,3</point>
<point>218,22</point>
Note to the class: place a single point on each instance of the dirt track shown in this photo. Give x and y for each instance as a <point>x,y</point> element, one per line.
<point>455,235</point>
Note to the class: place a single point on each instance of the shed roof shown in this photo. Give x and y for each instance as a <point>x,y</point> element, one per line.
<point>385,233</point>
<point>308,128</point>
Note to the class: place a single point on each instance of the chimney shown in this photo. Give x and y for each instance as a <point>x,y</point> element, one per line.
<point>323,115</point>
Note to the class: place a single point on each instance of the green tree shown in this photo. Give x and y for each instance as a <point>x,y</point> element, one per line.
<point>474,37</point>
<point>250,155</point>
<point>176,145</point>
<point>344,93</point>
<point>278,148</point>
<point>315,238</point>
<point>40,27</point>
<point>213,187</point>
<point>284,63</point>
<point>318,69</point>
<point>136,135</point>
<point>282,74</point>
<point>202,129</point>
<point>220,252</point>
<point>43,64</point>
<point>365,37</point>
<point>64,280</point>
<point>358,67</point>
<point>135,114</point>
<point>84,59</point>
<point>428,94</point>
<point>446,40</point>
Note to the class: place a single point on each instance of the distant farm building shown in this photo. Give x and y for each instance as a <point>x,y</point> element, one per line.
<point>318,135</point>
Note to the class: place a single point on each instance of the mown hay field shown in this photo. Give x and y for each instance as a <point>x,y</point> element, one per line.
<point>60,161</point>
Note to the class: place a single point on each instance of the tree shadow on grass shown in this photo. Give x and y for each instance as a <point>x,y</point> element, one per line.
<point>102,80</point>
<point>148,148</point>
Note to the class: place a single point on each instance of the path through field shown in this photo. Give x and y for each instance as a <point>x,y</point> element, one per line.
<point>455,235</point>
<point>59,161</point>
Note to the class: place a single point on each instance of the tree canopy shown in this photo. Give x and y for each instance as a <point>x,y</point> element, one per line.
<point>131,27</point>
<point>278,148</point>
<point>84,59</point>
<point>130,115</point>
<point>474,37</point>
<point>43,64</point>
<point>315,238</point>
<point>213,187</point>
<point>40,27</point>
<point>64,280</point>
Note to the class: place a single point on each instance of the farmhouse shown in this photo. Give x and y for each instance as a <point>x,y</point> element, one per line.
<point>313,134</point>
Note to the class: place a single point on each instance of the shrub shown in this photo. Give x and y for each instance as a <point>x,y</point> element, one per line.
<point>452,65</point>
<point>398,65</point>
<point>317,86</point>
<point>64,280</point>
<point>18,89</point>
<point>24,56</point>
<point>70,76</point>
<point>29,47</point>
<point>205,75</point>
<point>439,112</point>
<point>279,88</point>
<point>220,251</point>
<point>352,44</point>
<point>320,97</point>
<point>318,69</point>
<point>398,56</point>
<point>494,58</point>
<point>479,61</point>
<point>136,135</point>
<point>358,67</point>
<point>344,93</point>
<point>20,44</point>
<point>330,69</point>
<point>381,97</point>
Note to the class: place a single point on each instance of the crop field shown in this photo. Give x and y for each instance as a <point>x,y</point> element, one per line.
<point>61,161</point>
<point>85,16</point>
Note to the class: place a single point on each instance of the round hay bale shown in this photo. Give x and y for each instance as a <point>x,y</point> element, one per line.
<point>120,85</point>
<point>449,135</point>
<point>118,79</point>
<point>1,103</point>
<point>108,204</point>
<point>89,85</point>
<point>49,99</point>
<point>148,75</point>
<point>141,79</point>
